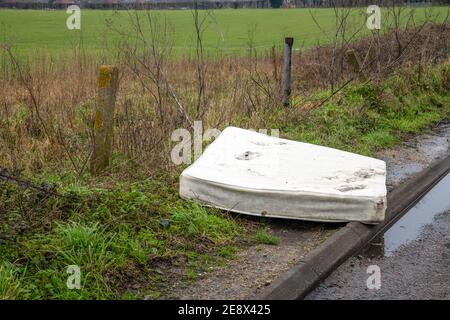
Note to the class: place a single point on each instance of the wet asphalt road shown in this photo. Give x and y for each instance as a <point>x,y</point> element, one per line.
<point>419,269</point>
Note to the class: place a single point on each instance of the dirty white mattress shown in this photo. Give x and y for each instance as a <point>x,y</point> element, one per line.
<point>252,173</point>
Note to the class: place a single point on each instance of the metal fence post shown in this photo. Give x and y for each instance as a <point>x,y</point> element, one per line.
<point>288,42</point>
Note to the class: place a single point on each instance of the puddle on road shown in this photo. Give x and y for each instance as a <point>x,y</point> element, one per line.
<point>409,227</point>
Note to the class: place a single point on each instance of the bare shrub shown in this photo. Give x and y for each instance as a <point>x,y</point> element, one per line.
<point>46,108</point>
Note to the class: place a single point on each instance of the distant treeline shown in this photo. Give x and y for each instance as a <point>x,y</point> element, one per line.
<point>202,4</point>
<point>139,4</point>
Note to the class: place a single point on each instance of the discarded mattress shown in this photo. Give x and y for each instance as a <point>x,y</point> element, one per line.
<point>252,173</point>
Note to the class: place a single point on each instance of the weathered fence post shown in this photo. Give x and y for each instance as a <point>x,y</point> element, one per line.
<point>104,118</point>
<point>288,42</point>
<point>353,61</point>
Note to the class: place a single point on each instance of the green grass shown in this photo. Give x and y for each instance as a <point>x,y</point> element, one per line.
<point>263,236</point>
<point>196,221</point>
<point>227,30</point>
<point>10,286</point>
<point>113,235</point>
<point>227,252</point>
<point>365,118</point>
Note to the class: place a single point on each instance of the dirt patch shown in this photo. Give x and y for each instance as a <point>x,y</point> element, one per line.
<point>257,266</point>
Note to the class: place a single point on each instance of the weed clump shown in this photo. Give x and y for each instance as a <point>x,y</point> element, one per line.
<point>263,236</point>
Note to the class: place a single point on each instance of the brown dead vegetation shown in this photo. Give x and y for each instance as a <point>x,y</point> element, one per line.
<point>46,106</point>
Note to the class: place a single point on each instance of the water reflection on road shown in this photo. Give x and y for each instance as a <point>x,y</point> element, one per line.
<point>409,227</point>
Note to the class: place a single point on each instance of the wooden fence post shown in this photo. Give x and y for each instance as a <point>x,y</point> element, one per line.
<point>104,118</point>
<point>353,61</point>
<point>288,42</point>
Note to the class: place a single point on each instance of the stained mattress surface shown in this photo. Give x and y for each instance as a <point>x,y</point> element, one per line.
<point>252,173</point>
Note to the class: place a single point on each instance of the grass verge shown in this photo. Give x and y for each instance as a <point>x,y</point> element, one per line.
<point>138,239</point>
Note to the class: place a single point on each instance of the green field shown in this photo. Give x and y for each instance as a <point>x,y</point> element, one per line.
<point>226,30</point>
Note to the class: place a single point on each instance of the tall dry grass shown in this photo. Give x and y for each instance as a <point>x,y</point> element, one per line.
<point>46,105</point>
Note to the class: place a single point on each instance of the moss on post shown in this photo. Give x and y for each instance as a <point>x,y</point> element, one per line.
<point>353,61</point>
<point>103,120</point>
